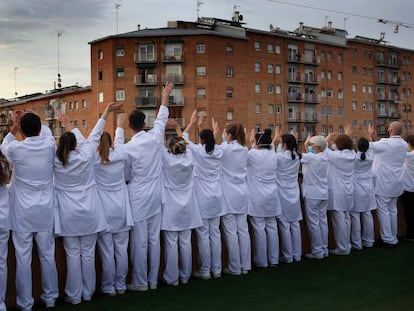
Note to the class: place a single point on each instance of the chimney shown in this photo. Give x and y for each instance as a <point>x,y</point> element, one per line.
<point>301,27</point>
<point>139,27</point>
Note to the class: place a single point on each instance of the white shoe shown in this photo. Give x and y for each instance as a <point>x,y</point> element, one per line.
<point>313,256</point>
<point>137,288</point>
<point>227,271</point>
<point>244,272</point>
<point>184,281</point>
<point>153,286</point>
<point>202,275</point>
<point>216,275</point>
<point>284,260</point>
<point>339,252</point>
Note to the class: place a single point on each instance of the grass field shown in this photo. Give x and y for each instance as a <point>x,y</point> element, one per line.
<point>371,279</point>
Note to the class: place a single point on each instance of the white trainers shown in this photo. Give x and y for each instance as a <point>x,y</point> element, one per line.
<point>338,252</point>
<point>244,272</point>
<point>313,256</point>
<point>227,271</point>
<point>202,275</point>
<point>137,288</point>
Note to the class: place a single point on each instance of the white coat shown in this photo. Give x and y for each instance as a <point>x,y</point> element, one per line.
<point>261,182</point>
<point>78,211</point>
<point>340,179</point>
<point>364,197</point>
<point>207,187</point>
<point>388,164</point>
<point>315,175</point>
<point>31,190</point>
<point>4,208</point>
<point>287,181</point>
<point>144,164</point>
<point>179,211</point>
<point>409,172</point>
<point>233,177</point>
<point>112,191</point>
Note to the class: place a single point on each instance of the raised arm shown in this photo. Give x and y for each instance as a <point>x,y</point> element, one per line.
<point>172,123</point>
<point>121,124</point>
<point>162,116</point>
<point>193,120</point>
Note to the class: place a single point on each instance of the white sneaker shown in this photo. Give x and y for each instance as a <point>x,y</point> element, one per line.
<point>153,286</point>
<point>137,288</point>
<point>227,271</point>
<point>184,281</point>
<point>244,272</point>
<point>202,275</point>
<point>312,256</point>
<point>217,275</point>
<point>338,252</point>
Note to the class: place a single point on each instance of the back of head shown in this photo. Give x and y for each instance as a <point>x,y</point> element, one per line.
<point>291,144</point>
<point>410,140</point>
<point>67,143</point>
<point>236,130</point>
<point>136,120</point>
<point>319,140</point>
<point>104,147</point>
<point>207,138</point>
<point>5,170</point>
<point>344,142</point>
<point>363,146</point>
<point>395,128</point>
<point>177,145</point>
<point>264,139</point>
<point>30,124</point>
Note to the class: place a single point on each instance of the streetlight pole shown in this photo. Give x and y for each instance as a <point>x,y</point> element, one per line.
<point>117,6</point>
<point>59,80</point>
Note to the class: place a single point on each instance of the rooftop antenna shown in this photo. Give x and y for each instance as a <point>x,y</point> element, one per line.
<point>199,3</point>
<point>15,79</point>
<point>326,20</point>
<point>117,6</point>
<point>59,80</point>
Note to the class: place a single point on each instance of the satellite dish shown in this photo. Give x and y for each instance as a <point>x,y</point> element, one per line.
<point>241,17</point>
<point>54,103</point>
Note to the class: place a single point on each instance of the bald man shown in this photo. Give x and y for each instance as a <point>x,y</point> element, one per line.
<point>388,180</point>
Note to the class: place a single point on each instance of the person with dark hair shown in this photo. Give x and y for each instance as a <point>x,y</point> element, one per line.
<point>388,173</point>
<point>341,162</point>
<point>288,162</point>
<point>315,195</point>
<point>362,222</point>
<point>5,174</point>
<point>79,214</point>
<point>263,200</point>
<point>234,187</point>
<point>180,213</point>
<point>31,199</point>
<point>408,195</point>
<point>207,189</point>
<point>113,197</point>
<point>145,191</point>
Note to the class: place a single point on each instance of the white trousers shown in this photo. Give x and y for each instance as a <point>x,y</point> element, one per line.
<point>23,245</point>
<point>80,267</point>
<point>237,239</point>
<point>4,241</point>
<point>209,246</point>
<point>113,251</point>
<point>341,226</point>
<point>266,241</point>
<point>177,245</point>
<point>317,223</point>
<point>291,239</point>
<point>387,218</point>
<point>362,229</point>
<point>145,251</point>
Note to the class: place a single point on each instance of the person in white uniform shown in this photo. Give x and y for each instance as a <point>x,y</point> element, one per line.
<point>234,187</point>
<point>31,199</point>
<point>315,195</point>
<point>408,186</point>
<point>341,162</point>
<point>5,172</point>
<point>208,192</point>
<point>79,215</point>
<point>113,196</point>
<point>180,211</point>
<point>388,172</point>
<point>288,162</point>
<point>263,199</point>
<point>362,222</point>
<point>143,153</point>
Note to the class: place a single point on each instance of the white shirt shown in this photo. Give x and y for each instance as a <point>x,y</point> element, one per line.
<point>409,172</point>
<point>315,175</point>
<point>364,196</point>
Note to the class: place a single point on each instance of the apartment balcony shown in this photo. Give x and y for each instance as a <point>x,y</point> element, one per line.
<point>394,80</point>
<point>146,80</point>
<point>176,101</point>
<point>181,122</point>
<point>5,121</point>
<point>52,114</point>
<point>302,117</point>
<point>172,57</point>
<point>312,99</point>
<point>145,59</point>
<point>389,114</point>
<point>381,97</point>
<point>311,60</point>
<point>295,78</point>
<point>388,62</point>
<point>393,97</point>
<point>174,78</point>
<point>311,117</point>
<point>295,98</point>
<point>311,79</point>
<point>295,58</point>
<point>146,102</point>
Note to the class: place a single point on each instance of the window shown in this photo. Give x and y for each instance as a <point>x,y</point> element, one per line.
<point>340,112</point>
<point>270,108</point>
<point>257,67</point>
<point>149,117</point>
<point>330,93</point>
<point>270,88</point>
<point>408,76</point>
<point>370,89</point>
<point>76,105</point>
<point>100,75</point>
<point>229,115</point>
<point>84,103</point>
<point>329,56</point>
<point>340,130</point>
<point>120,95</point>
<point>323,130</point>
<point>270,68</point>
<point>100,98</point>
<point>354,69</point>
<point>229,72</point>
<point>257,88</point>
<point>354,105</point>
<point>119,52</point>
<point>340,94</point>
<point>354,123</point>
<point>200,48</point>
<point>229,93</point>
<point>364,71</point>
<point>75,123</point>
<point>277,69</point>
<point>278,109</point>
<point>270,47</point>
<point>340,57</point>
<point>257,46</point>
<point>364,88</point>
<point>70,105</point>
<point>323,93</point>
<point>370,106</point>
<point>278,89</point>
<point>323,74</point>
<point>201,92</point>
<point>146,52</point>
<point>84,124</point>
<point>257,127</point>
<point>120,73</point>
<point>277,48</point>
<point>229,50</point>
<point>370,72</point>
<point>201,70</point>
<point>322,55</point>
<point>364,106</point>
<point>258,108</point>
<point>329,75</point>
<point>323,111</point>
<point>354,87</point>
<point>354,52</point>
<point>100,54</point>
<point>330,111</point>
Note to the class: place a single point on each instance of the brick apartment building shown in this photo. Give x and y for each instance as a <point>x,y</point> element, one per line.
<point>309,80</point>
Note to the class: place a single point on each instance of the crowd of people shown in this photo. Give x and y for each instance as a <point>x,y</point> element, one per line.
<point>120,200</point>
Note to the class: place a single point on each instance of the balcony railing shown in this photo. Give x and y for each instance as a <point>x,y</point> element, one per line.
<point>174,78</point>
<point>149,79</point>
<point>149,101</point>
<point>172,57</point>
<point>387,113</point>
<point>295,97</point>
<point>143,58</point>
<point>312,99</point>
<point>312,79</point>
<point>52,114</point>
<point>177,101</point>
<point>388,62</point>
<point>295,78</point>
<point>303,117</point>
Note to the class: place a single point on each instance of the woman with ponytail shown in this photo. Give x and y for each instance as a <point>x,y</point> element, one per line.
<point>264,205</point>
<point>234,185</point>
<point>79,216</point>
<point>113,197</point>
<point>362,223</point>
<point>208,192</point>
<point>288,160</point>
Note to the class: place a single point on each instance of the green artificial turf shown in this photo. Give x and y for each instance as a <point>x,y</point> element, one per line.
<point>371,279</point>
